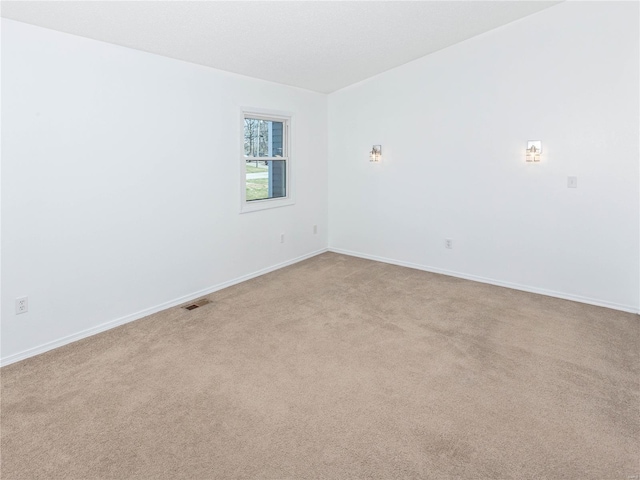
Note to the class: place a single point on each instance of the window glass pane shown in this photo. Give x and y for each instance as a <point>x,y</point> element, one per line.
<point>266,179</point>
<point>263,138</point>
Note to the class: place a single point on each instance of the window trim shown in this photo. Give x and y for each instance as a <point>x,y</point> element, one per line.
<point>267,203</point>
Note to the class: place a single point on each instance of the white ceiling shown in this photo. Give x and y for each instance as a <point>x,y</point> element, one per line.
<point>317,45</point>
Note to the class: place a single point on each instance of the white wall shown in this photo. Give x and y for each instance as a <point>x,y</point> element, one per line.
<point>453,128</point>
<point>120,177</point>
<point>120,184</point>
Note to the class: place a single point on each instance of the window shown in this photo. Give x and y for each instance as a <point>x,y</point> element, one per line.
<point>265,161</point>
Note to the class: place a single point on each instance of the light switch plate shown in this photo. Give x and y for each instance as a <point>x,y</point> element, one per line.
<point>572,182</point>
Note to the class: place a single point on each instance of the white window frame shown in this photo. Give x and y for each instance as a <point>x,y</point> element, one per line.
<point>276,116</point>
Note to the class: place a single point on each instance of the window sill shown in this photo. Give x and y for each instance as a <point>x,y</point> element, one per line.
<point>258,205</point>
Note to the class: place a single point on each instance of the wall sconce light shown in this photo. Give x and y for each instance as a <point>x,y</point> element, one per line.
<point>534,149</point>
<point>375,155</point>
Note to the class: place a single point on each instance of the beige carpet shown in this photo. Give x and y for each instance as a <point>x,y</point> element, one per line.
<point>337,368</point>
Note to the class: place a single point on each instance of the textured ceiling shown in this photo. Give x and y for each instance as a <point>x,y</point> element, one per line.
<point>321,46</point>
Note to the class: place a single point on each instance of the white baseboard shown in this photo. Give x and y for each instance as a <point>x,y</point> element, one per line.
<point>192,296</point>
<point>491,281</point>
<point>16,357</point>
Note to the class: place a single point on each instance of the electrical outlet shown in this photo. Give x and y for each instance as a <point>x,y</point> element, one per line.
<point>315,229</point>
<point>282,238</point>
<point>448,243</point>
<point>22,305</point>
